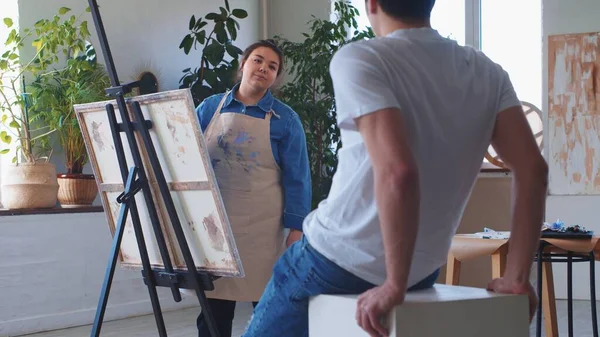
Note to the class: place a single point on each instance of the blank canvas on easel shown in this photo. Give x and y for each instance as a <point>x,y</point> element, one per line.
<point>180,147</point>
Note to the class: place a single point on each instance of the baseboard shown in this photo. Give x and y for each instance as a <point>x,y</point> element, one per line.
<point>70,319</point>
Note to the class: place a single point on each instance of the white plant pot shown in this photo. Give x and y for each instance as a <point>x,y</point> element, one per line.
<point>29,185</point>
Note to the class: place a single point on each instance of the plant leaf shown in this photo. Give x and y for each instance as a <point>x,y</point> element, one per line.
<point>200,24</point>
<point>239,13</point>
<point>8,22</point>
<point>212,16</point>
<point>214,53</point>
<point>220,31</point>
<point>186,44</point>
<point>233,51</point>
<point>64,10</point>
<point>231,28</point>
<point>5,151</point>
<point>192,22</point>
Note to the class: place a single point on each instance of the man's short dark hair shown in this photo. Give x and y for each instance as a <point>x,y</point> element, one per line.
<point>408,9</point>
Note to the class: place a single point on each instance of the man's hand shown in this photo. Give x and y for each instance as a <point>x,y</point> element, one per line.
<point>506,286</point>
<point>375,305</point>
<point>294,236</point>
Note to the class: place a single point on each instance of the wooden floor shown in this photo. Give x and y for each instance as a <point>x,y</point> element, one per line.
<point>183,323</point>
<point>180,323</point>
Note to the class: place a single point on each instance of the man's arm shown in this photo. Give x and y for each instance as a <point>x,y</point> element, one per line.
<point>515,144</point>
<point>367,103</point>
<point>396,190</point>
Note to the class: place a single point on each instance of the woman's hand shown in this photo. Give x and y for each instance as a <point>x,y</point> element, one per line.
<point>294,236</point>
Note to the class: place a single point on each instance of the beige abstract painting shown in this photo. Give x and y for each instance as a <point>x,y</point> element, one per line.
<point>184,160</point>
<point>574,114</point>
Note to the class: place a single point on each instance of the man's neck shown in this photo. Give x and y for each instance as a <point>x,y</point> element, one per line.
<point>248,96</point>
<point>392,25</point>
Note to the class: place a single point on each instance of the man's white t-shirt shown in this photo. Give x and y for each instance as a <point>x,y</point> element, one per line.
<point>449,97</point>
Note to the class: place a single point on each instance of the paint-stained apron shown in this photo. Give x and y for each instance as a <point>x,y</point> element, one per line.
<point>249,180</point>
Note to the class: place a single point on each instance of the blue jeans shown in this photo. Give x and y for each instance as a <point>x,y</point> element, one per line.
<point>300,273</point>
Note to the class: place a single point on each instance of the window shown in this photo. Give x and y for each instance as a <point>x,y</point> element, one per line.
<point>518,46</point>
<point>449,19</point>
<point>507,31</point>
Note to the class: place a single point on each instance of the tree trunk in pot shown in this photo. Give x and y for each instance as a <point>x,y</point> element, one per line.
<point>29,185</point>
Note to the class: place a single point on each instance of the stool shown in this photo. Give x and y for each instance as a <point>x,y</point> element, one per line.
<point>449,311</point>
<point>549,255</point>
<point>465,246</point>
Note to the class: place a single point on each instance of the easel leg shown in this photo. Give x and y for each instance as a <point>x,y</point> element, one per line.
<point>110,271</point>
<point>112,263</point>
<point>175,222</point>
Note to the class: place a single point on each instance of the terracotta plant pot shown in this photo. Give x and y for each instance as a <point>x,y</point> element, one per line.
<point>29,185</point>
<point>76,189</point>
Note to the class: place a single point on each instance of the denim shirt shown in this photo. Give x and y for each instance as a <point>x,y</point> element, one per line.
<point>288,143</point>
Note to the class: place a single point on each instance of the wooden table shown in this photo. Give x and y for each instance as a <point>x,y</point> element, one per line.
<point>468,246</point>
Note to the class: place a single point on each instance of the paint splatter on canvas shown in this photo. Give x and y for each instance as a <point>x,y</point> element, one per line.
<point>574,114</point>
<point>211,226</point>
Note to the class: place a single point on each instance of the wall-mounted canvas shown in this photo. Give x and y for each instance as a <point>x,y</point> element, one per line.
<point>181,150</point>
<point>574,113</point>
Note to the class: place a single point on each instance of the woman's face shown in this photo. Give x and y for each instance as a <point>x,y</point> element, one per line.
<point>259,71</point>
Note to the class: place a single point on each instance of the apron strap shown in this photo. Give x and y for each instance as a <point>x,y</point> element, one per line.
<point>218,111</point>
<point>272,113</point>
<point>220,107</point>
<point>268,115</point>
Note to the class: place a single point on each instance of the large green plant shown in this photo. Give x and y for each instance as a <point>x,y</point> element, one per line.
<point>82,80</point>
<point>310,93</point>
<point>52,38</point>
<point>215,74</point>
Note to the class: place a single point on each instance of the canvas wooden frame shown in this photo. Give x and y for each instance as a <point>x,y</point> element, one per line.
<point>181,150</point>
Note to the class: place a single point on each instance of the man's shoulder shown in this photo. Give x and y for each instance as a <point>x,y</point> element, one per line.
<point>362,50</point>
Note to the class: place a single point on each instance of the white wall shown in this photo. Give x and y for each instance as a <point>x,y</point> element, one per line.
<point>143,35</point>
<point>147,32</point>
<point>563,17</point>
<point>288,18</point>
<point>52,272</point>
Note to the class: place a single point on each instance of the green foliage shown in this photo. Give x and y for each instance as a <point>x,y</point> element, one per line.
<point>62,35</point>
<point>310,93</point>
<point>215,73</point>
<point>82,80</point>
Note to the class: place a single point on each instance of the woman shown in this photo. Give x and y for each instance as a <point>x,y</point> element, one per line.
<point>258,151</point>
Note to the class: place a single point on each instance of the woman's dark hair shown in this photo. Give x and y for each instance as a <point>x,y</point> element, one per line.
<point>269,43</point>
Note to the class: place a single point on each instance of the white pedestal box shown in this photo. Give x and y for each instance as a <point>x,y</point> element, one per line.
<point>444,311</point>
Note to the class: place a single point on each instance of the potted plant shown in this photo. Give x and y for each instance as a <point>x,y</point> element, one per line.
<point>216,73</point>
<point>82,80</point>
<point>310,93</point>
<point>31,181</point>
